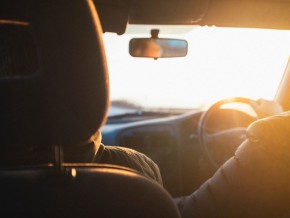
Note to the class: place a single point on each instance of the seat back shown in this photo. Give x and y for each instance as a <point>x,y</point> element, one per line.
<point>54,93</point>
<point>81,191</point>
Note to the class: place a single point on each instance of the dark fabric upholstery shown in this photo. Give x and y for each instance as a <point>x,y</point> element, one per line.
<point>253,183</point>
<point>90,153</point>
<point>86,191</point>
<point>62,99</point>
<point>65,102</point>
<point>18,56</point>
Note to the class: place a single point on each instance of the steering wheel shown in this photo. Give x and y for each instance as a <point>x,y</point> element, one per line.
<point>227,140</point>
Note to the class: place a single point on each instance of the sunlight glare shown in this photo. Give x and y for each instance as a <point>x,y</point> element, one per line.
<point>221,63</point>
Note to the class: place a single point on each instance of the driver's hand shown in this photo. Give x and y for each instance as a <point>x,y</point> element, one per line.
<point>265,108</point>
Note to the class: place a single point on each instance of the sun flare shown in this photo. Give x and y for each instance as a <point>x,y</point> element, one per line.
<point>221,63</point>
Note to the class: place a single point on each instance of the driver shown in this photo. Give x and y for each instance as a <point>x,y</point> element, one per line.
<point>255,182</point>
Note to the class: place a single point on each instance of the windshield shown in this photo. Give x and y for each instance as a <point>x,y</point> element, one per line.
<point>221,63</point>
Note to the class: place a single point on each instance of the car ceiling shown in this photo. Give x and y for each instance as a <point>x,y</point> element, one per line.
<point>270,14</point>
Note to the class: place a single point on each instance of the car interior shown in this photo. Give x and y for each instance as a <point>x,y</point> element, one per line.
<point>145,75</point>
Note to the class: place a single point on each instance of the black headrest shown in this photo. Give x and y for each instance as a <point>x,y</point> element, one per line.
<point>53,79</point>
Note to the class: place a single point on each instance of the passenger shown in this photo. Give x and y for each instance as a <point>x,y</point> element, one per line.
<point>96,152</point>
<point>129,158</point>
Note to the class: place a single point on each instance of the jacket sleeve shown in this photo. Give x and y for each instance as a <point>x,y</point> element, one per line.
<point>129,158</point>
<point>253,183</point>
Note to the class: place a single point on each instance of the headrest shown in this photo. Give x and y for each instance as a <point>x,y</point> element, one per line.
<point>53,73</point>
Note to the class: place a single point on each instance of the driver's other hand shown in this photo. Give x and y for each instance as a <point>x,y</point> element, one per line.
<point>265,108</point>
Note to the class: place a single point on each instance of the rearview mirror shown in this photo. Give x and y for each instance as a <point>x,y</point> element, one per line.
<point>157,47</point>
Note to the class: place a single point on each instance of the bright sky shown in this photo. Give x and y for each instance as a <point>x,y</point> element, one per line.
<point>221,62</point>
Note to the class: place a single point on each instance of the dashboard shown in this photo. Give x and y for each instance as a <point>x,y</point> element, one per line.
<point>173,143</point>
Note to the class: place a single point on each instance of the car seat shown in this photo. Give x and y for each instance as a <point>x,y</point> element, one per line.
<point>54,95</point>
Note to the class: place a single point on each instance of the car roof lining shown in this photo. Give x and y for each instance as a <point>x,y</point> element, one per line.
<point>268,14</point>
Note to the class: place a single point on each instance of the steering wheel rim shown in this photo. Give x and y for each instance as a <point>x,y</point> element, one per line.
<point>204,119</point>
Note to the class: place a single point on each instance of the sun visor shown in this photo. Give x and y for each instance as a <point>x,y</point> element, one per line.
<point>268,14</point>
<point>168,12</point>
<point>114,17</point>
